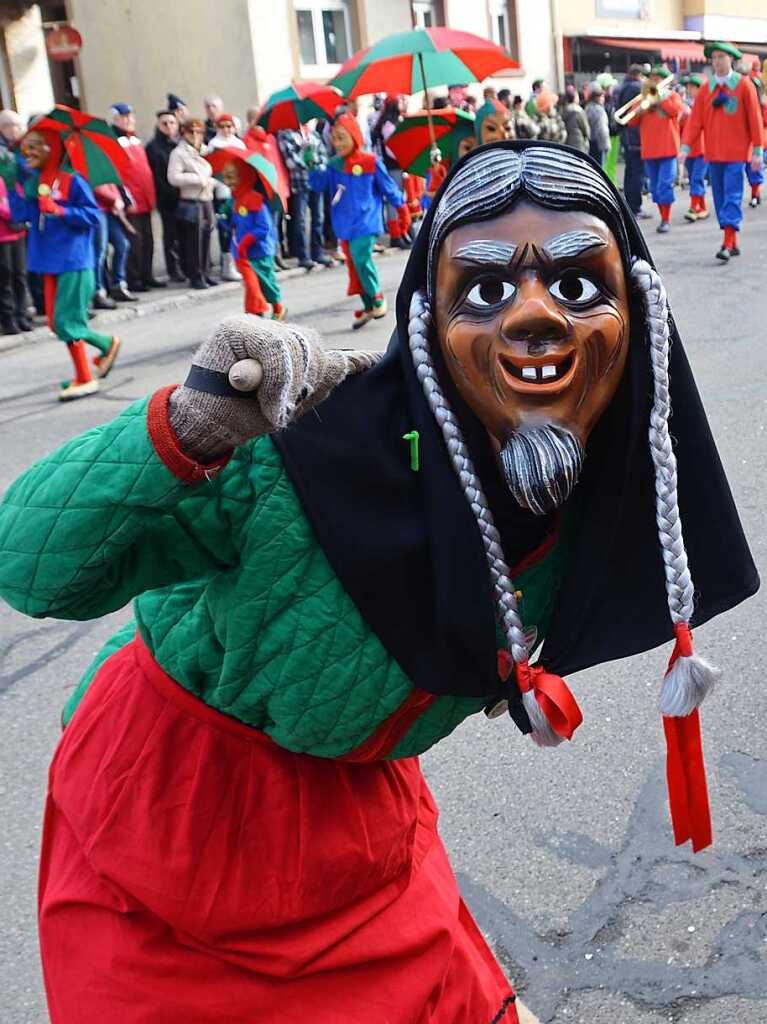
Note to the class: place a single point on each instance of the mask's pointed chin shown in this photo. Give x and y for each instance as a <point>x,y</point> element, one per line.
<point>541,466</point>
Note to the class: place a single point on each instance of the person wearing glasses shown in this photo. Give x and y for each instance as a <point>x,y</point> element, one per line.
<point>158,151</point>
<point>192,175</point>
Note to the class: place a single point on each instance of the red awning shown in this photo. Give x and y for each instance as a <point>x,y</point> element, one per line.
<point>670,49</point>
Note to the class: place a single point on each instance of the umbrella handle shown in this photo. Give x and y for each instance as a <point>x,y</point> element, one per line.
<point>427,104</point>
<point>246,375</point>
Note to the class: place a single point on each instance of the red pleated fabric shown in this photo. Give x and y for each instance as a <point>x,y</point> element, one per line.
<point>192,870</point>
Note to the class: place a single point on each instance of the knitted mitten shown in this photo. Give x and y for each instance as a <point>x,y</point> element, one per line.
<point>297,374</point>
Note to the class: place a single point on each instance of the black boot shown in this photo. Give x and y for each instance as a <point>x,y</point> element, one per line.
<point>102,301</point>
<point>25,323</point>
<point>121,293</point>
<point>9,326</point>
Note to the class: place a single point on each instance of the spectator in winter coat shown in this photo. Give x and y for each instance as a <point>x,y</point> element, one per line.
<point>598,123</point>
<point>14,298</point>
<point>139,182</point>
<point>630,139</point>
<point>13,271</point>
<point>225,136</point>
<point>112,228</point>
<point>192,175</point>
<point>302,150</point>
<point>397,219</point>
<point>576,122</point>
<point>551,127</point>
<point>158,151</point>
<point>524,126</point>
<point>178,107</point>
<point>214,108</point>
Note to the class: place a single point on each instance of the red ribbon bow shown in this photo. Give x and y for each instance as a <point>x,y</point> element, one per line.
<point>552,693</point>
<point>685,768</point>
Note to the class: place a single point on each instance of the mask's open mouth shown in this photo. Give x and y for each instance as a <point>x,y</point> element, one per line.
<point>537,375</point>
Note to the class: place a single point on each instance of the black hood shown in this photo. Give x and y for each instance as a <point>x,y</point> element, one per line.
<point>407,549</point>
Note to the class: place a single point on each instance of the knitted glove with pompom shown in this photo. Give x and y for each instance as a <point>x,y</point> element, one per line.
<point>298,373</point>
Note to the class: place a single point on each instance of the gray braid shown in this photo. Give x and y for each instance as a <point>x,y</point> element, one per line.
<point>418,326</point>
<point>679,586</point>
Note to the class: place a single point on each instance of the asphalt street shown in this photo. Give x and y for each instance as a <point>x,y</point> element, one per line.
<point>564,856</point>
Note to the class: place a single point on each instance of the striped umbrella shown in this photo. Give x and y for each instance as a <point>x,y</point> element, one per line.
<point>409,62</point>
<point>91,146</point>
<point>266,172</point>
<point>411,143</point>
<point>299,103</point>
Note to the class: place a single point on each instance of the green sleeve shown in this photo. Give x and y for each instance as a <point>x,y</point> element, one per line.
<point>103,519</point>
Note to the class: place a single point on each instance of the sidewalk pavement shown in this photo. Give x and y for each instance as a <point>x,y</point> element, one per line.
<point>148,303</point>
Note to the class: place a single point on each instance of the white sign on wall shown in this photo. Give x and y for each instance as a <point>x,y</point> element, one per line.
<point>623,9</point>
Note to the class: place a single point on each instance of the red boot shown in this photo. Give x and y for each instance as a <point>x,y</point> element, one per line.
<point>83,383</point>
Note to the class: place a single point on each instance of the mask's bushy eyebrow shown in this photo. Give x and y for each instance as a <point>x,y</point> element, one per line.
<point>486,251</point>
<point>572,243</point>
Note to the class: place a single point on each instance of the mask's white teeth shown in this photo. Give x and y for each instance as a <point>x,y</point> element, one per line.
<point>549,371</point>
<point>529,373</point>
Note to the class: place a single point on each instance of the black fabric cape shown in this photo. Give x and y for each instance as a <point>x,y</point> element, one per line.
<point>407,549</point>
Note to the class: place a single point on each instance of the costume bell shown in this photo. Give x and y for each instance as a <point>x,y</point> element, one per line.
<point>62,214</point>
<point>695,161</point>
<point>254,236</point>
<point>336,557</point>
<point>659,135</point>
<point>357,184</point>
<point>727,110</point>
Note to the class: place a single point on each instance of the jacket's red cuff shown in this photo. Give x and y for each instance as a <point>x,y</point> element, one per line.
<point>166,444</point>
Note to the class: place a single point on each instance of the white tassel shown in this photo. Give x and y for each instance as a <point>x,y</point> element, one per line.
<point>687,685</point>
<point>542,735</point>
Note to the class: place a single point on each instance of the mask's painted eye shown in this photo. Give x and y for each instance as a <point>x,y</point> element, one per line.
<point>491,292</point>
<point>574,288</point>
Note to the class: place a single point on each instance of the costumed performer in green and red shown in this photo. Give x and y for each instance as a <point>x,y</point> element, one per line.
<point>358,184</point>
<point>254,236</point>
<point>62,214</point>
<point>336,558</point>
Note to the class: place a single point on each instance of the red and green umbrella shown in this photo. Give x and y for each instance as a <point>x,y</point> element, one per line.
<point>411,141</point>
<point>266,173</point>
<point>91,146</point>
<point>299,103</point>
<point>409,62</point>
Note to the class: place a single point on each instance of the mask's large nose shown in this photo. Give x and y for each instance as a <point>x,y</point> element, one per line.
<point>534,317</point>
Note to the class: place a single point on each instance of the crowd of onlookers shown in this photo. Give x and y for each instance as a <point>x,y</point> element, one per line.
<point>169,177</point>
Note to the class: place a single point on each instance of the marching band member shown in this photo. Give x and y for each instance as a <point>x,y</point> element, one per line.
<point>658,118</point>
<point>696,160</point>
<point>756,177</point>
<point>727,110</point>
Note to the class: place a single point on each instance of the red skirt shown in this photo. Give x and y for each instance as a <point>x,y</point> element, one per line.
<point>193,870</point>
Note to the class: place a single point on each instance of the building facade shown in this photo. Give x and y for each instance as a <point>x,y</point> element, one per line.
<point>611,34</point>
<point>138,51</point>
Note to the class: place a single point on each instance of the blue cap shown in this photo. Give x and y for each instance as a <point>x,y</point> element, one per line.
<point>122,108</point>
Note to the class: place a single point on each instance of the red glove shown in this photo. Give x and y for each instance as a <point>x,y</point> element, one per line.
<point>245,244</point>
<point>48,206</point>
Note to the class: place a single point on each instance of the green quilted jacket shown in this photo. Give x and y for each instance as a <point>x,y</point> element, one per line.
<point>233,595</point>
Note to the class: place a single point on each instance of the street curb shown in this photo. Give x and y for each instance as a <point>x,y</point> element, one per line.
<point>144,307</point>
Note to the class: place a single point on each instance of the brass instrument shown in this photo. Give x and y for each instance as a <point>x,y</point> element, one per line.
<point>650,95</point>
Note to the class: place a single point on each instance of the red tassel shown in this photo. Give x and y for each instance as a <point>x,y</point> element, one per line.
<point>554,697</point>
<point>685,768</point>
